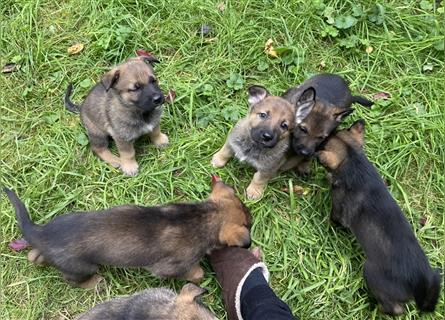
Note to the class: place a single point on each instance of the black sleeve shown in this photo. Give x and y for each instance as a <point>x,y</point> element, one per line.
<point>262,303</point>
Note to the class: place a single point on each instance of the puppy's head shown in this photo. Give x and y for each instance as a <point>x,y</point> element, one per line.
<point>236,219</point>
<point>188,304</point>
<point>271,118</point>
<point>134,81</point>
<point>335,150</point>
<point>315,120</point>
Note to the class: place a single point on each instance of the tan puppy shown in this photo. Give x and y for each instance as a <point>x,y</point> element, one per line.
<point>124,105</point>
<point>261,139</point>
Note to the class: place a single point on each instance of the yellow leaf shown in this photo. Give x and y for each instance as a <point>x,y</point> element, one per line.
<point>269,49</point>
<point>369,50</point>
<point>76,48</point>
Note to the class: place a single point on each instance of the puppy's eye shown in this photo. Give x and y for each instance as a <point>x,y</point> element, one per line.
<point>284,125</point>
<point>262,115</point>
<point>151,80</point>
<point>136,87</point>
<point>302,129</point>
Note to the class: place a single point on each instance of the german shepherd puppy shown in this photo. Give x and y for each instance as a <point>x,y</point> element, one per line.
<point>321,104</point>
<point>168,240</point>
<point>124,105</point>
<point>261,138</point>
<point>154,304</point>
<point>396,269</point>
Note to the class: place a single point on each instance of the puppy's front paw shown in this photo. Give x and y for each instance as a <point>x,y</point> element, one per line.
<point>254,191</point>
<point>130,168</point>
<point>217,161</point>
<point>160,141</point>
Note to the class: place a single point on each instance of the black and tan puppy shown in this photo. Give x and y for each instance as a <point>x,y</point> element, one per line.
<point>321,102</point>
<point>124,105</point>
<point>168,240</point>
<point>261,138</point>
<point>396,269</point>
<point>154,304</point>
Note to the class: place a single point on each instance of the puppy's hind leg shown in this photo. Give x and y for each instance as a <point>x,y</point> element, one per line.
<point>81,274</point>
<point>99,145</point>
<point>195,274</point>
<point>220,158</point>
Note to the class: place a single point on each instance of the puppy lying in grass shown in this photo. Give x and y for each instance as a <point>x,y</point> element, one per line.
<point>154,304</point>
<point>396,269</point>
<point>168,240</point>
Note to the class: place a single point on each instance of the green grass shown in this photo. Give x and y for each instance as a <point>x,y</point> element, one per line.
<point>315,268</point>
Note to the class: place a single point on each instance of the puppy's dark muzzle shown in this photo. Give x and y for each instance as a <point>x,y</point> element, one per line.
<point>302,150</point>
<point>158,99</point>
<point>265,137</point>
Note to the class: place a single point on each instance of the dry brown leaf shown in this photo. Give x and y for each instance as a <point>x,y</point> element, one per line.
<point>269,49</point>
<point>381,96</point>
<point>75,48</point>
<point>170,96</point>
<point>10,67</point>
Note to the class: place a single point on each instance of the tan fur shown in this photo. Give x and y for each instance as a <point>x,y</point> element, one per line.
<point>268,161</point>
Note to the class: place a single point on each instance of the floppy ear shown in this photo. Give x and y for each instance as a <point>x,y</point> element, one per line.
<point>234,235</point>
<point>339,116</point>
<point>358,131</point>
<point>150,60</point>
<point>256,94</point>
<point>110,79</point>
<point>305,104</point>
<point>190,292</point>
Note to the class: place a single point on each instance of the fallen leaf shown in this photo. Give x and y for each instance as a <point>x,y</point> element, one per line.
<point>18,244</point>
<point>322,64</point>
<point>423,221</point>
<point>75,48</point>
<point>221,7</point>
<point>381,96</point>
<point>269,49</point>
<point>10,67</point>
<point>170,96</point>
<point>143,53</point>
<point>299,190</point>
<point>369,50</point>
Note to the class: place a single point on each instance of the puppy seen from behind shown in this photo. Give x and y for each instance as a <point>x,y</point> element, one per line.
<point>168,240</point>
<point>396,269</point>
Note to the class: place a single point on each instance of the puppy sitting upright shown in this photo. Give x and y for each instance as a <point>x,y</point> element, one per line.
<point>125,105</point>
<point>321,103</point>
<point>396,269</point>
<point>168,240</point>
<point>261,139</point>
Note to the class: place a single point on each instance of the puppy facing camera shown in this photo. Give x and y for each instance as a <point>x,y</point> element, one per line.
<point>125,105</point>
<point>261,138</point>
<point>168,240</point>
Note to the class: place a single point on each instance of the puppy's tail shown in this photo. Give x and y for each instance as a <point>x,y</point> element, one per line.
<point>29,228</point>
<point>68,103</point>
<point>427,293</point>
<point>362,100</point>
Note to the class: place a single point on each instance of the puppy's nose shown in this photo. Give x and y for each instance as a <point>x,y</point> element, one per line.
<point>158,98</point>
<point>306,152</point>
<point>267,136</point>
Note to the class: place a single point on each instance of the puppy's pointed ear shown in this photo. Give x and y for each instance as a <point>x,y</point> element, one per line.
<point>110,79</point>
<point>305,104</point>
<point>256,94</point>
<point>358,131</point>
<point>152,60</point>
<point>190,292</point>
<point>340,115</point>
